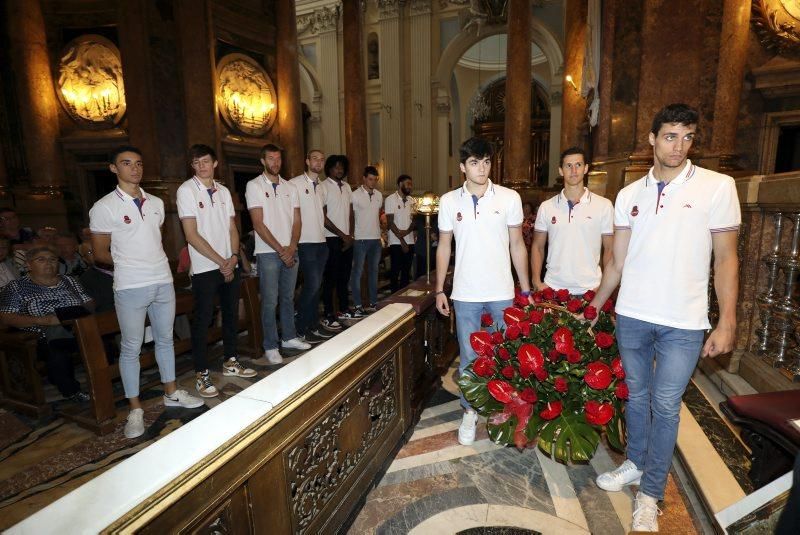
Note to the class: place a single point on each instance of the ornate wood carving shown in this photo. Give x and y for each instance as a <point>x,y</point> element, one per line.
<point>321,462</point>
<point>777,22</point>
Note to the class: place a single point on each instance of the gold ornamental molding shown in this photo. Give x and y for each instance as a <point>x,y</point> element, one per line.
<point>777,23</point>
<point>246,96</point>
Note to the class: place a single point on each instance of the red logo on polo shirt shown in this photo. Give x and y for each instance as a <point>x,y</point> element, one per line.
<point>687,205</point>
<point>398,207</point>
<point>127,220</point>
<point>201,204</point>
<point>635,211</point>
<point>306,191</point>
<point>553,221</point>
<point>458,216</point>
<point>267,194</point>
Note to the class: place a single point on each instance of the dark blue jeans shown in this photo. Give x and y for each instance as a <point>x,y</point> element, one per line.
<point>369,250</point>
<point>312,265</point>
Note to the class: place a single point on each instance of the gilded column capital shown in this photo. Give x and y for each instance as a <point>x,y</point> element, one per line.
<point>389,8</point>
<point>324,19</point>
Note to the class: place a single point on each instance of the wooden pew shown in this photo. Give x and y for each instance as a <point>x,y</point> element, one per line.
<point>21,374</point>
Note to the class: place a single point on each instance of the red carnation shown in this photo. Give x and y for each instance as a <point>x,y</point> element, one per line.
<point>574,356</point>
<point>603,340</point>
<point>513,315</point>
<point>560,384</point>
<point>554,356</point>
<point>598,413</point>
<point>551,410</point>
<point>481,342</point>
<point>497,337</point>
<point>562,295</point>
<point>563,339</point>
<point>513,332</point>
<point>536,316</point>
<point>598,375</point>
<point>608,306</point>
<point>486,319</point>
<point>500,390</point>
<point>530,359</point>
<point>483,367</point>
<point>529,395</point>
<point>541,374</point>
<point>616,367</point>
<point>548,294</point>
<point>590,312</point>
<point>508,372</point>
<point>574,305</point>
<point>621,391</point>
<point>503,353</point>
<point>589,295</point>
<point>525,327</point>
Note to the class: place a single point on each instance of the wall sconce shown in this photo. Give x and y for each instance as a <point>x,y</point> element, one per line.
<point>246,96</point>
<point>571,82</point>
<point>90,85</point>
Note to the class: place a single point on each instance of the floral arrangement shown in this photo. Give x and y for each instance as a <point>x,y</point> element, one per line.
<point>548,378</point>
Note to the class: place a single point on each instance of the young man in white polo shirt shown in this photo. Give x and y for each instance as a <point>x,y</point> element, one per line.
<point>399,209</point>
<point>486,221</point>
<point>575,223</point>
<point>367,203</point>
<point>313,249</point>
<point>667,224</point>
<point>339,237</point>
<point>275,211</point>
<point>126,233</point>
<point>209,223</point>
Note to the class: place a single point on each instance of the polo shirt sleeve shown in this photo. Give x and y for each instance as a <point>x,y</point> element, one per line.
<point>253,196</point>
<point>294,195</point>
<point>100,220</point>
<point>446,214</point>
<point>162,211</point>
<point>607,220</point>
<point>389,205</point>
<point>725,213</point>
<point>621,220</point>
<point>229,200</point>
<point>514,215</point>
<point>187,208</point>
<point>11,298</point>
<point>540,225</point>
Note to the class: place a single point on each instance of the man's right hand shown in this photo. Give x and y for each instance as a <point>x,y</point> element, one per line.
<point>442,304</point>
<point>286,256</point>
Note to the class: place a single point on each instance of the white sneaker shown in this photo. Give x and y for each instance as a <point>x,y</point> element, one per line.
<point>295,343</point>
<point>134,427</point>
<point>273,356</point>
<point>182,398</point>
<point>466,432</point>
<point>234,368</point>
<point>204,385</point>
<point>624,475</point>
<point>645,513</point>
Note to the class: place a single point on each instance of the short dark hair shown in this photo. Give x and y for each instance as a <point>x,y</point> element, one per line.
<point>403,178</point>
<point>119,150</point>
<point>370,170</point>
<point>674,113</point>
<point>569,152</point>
<point>312,151</point>
<point>199,150</point>
<point>270,147</point>
<point>333,159</point>
<point>475,146</point>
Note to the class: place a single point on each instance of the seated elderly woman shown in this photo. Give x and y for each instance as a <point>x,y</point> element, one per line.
<point>33,303</point>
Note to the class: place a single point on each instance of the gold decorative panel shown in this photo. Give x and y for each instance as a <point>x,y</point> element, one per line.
<point>778,25</point>
<point>246,96</point>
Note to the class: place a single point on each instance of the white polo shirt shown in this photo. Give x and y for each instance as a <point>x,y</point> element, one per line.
<point>403,212</point>
<point>337,201</point>
<point>574,236</point>
<point>480,227</point>
<point>367,211</point>
<point>277,203</point>
<point>666,271</point>
<point>139,258</point>
<point>312,200</point>
<point>212,208</point>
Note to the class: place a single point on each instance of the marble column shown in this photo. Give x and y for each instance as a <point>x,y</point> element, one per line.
<point>328,68</point>
<point>355,108</point>
<point>518,95</point>
<point>730,76</point>
<point>290,115</point>
<point>134,47</point>
<point>421,99</point>
<point>573,110</point>
<point>392,110</point>
<point>38,103</point>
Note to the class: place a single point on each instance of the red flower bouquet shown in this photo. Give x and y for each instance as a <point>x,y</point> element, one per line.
<point>548,379</point>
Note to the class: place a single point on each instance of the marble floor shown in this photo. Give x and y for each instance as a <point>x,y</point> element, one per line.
<point>437,486</point>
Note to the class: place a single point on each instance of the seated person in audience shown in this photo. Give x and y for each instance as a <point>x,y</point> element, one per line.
<point>97,280</point>
<point>70,261</point>
<point>8,271</point>
<point>47,234</point>
<point>30,304</point>
<point>11,228</point>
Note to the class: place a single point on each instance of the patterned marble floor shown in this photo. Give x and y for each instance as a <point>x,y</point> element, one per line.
<point>437,486</point>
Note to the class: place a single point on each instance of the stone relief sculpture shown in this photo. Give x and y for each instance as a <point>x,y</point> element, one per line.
<point>776,22</point>
<point>246,95</point>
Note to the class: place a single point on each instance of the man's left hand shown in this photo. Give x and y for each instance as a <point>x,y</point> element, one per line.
<point>719,342</point>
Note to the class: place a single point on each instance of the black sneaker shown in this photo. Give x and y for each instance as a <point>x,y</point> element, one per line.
<point>330,324</point>
<point>322,333</point>
<point>311,338</point>
<point>371,309</point>
<point>78,397</point>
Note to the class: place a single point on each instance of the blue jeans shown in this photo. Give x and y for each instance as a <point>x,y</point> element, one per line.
<point>312,264</point>
<point>468,321</point>
<point>157,302</point>
<point>276,283</point>
<point>659,362</point>
<point>371,251</point>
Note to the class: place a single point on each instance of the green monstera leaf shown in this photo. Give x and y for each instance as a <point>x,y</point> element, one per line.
<point>569,438</point>
<point>615,431</point>
<point>503,433</point>
<point>476,393</point>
